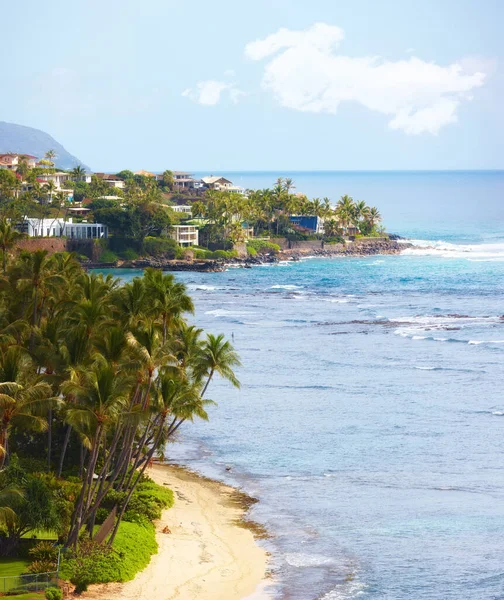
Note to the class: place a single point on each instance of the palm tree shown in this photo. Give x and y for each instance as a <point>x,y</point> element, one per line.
<point>168,298</point>
<point>345,210</point>
<point>8,238</point>
<point>373,216</point>
<point>101,395</point>
<point>78,173</point>
<point>50,155</point>
<point>22,401</point>
<point>217,356</point>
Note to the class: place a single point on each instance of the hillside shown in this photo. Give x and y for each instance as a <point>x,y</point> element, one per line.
<point>18,138</point>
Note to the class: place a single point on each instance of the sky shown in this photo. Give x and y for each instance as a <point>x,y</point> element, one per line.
<point>260,85</point>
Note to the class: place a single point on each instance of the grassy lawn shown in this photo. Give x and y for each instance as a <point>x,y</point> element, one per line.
<point>29,596</point>
<point>12,567</point>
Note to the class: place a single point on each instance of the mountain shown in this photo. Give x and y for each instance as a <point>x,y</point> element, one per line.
<point>18,138</point>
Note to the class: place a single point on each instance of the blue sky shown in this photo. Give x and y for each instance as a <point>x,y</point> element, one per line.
<point>268,84</point>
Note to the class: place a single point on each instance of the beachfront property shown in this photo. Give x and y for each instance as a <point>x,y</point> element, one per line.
<point>12,160</point>
<point>313,223</point>
<point>185,235</point>
<point>62,228</point>
<point>112,180</point>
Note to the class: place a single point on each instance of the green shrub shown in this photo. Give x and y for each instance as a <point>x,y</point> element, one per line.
<point>201,253</point>
<point>42,566</point>
<point>129,254</point>
<point>44,551</point>
<point>54,593</point>
<point>93,563</point>
<point>108,256</point>
<point>262,247</point>
<point>216,254</point>
<point>154,246</point>
<point>251,251</point>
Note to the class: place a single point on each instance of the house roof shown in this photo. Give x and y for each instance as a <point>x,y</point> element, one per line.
<point>214,179</point>
<point>108,177</point>
<point>145,173</point>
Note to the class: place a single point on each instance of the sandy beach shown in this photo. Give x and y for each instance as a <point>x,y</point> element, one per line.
<point>210,552</point>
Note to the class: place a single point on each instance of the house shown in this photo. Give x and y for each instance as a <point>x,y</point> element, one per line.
<point>184,209</point>
<point>11,160</point>
<point>185,235</point>
<point>313,223</point>
<point>221,184</point>
<point>63,228</point>
<point>58,178</point>
<point>183,180</point>
<point>112,180</point>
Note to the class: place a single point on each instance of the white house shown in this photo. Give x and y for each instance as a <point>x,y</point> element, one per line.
<point>184,209</point>
<point>63,228</point>
<point>58,178</point>
<point>221,184</point>
<point>185,235</point>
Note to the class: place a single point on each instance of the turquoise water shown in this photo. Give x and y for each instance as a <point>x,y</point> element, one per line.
<point>371,417</point>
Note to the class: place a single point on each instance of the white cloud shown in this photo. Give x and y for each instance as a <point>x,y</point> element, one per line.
<point>209,92</point>
<point>304,72</point>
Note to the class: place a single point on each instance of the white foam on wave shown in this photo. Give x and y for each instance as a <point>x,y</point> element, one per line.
<point>481,252</point>
<point>336,300</point>
<point>478,342</point>
<point>346,591</point>
<point>222,312</point>
<point>498,413</point>
<point>285,287</point>
<point>300,560</point>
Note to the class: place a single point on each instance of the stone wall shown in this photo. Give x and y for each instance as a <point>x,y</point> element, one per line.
<point>52,245</point>
<point>86,247</point>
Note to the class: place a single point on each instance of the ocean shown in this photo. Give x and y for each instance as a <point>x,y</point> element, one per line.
<point>370,420</point>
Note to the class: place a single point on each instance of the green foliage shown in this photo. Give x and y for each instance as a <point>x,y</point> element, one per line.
<point>42,566</point>
<point>251,251</point>
<point>263,247</point>
<point>216,254</point>
<point>44,551</point>
<point>107,256</point>
<point>126,174</point>
<point>166,247</point>
<point>146,503</point>
<point>54,593</point>
<point>131,552</point>
<point>129,254</point>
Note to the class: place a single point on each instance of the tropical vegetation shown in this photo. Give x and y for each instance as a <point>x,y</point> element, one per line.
<point>96,378</point>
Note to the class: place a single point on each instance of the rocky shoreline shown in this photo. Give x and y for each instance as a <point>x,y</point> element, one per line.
<point>355,249</point>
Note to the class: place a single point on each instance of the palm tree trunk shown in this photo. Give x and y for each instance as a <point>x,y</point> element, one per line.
<point>150,454</point>
<point>64,449</point>
<point>49,438</point>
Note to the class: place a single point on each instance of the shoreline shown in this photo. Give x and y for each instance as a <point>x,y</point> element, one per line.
<point>296,252</point>
<point>211,552</point>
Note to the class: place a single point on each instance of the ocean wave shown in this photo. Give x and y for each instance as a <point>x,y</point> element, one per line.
<point>483,252</point>
<point>285,287</point>
<point>300,560</point>
<point>222,312</point>
<point>346,591</point>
